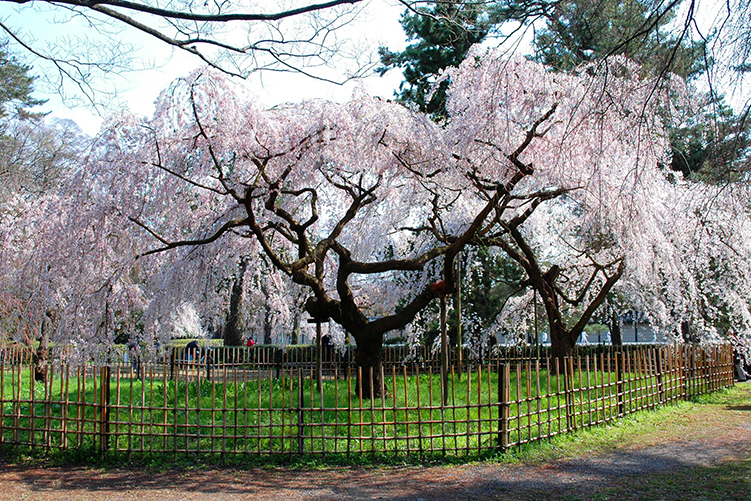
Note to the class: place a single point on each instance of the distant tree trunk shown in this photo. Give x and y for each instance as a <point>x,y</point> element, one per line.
<point>296,324</point>
<point>233,335</point>
<point>41,355</point>
<point>267,324</point>
<point>615,329</point>
<point>686,332</point>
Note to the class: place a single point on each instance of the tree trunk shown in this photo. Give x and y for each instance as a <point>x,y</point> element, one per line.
<point>686,332</point>
<point>615,329</point>
<point>369,358</point>
<point>560,342</point>
<point>41,355</point>
<point>294,337</point>
<point>233,335</point>
<point>267,325</point>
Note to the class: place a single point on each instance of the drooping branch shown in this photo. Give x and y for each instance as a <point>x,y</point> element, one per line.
<point>214,158</point>
<point>502,191</point>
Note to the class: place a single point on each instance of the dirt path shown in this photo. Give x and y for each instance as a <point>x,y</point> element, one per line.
<point>698,440</point>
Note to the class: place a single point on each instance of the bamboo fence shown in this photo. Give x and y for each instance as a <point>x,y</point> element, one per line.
<point>251,401</point>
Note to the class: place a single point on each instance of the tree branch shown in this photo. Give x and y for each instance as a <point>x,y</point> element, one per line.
<point>191,16</point>
<point>200,241</point>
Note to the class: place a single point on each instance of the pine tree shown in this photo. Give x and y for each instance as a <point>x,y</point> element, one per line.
<point>443,34</point>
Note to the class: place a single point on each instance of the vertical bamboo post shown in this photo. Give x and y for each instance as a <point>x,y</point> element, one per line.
<point>504,398</point>
<point>568,366</point>
<point>459,312</point>
<point>104,409</point>
<point>32,405</point>
<point>300,414</point>
<point>2,395</point>
<point>537,399</point>
<point>589,393</point>
<point>319,354</point>
<point>658,369</point>
<point>444,353</point>
<point>619,380</point>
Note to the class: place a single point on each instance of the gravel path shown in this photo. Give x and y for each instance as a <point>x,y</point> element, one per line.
<point>708,436</point>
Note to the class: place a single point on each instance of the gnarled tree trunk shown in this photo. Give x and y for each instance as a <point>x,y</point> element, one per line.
<point>369,359</point>
<point>233,335</point>
<point>41,354</point>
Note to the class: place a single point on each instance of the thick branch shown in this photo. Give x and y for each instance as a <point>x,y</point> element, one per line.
<point>595,303</point>
<point>191,16</point>
<point>501,191</point>
<point>199,241</point>
<point>415,264</point>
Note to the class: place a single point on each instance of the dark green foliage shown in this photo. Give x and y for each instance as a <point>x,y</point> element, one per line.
<point>16,85</point>
<point>581,31</point>
<point>713,147</point>
<point>442,33</point>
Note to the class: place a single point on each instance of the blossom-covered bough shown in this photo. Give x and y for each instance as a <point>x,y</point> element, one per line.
<point>589,200</point>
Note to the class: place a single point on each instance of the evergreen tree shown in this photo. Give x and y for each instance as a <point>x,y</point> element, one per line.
<point>442,34</point>
<point>16,86</point>
<point>582,31</point>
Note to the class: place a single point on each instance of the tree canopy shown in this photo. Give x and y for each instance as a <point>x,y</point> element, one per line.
<point>663,38</point>
<point>358,210</point>
<point>442,34</point>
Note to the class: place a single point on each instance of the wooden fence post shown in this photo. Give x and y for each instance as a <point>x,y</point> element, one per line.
<point>729,367</point>
<point>568,385</point>
<point>444,353</point>
<point>104,409</point>
<point>300,414</point>
<point>619,380</point>
<point>659,371</point>
<point>504,398</point>
<point>278,361</point>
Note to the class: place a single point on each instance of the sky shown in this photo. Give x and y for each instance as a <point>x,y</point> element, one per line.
<point>137,90</point>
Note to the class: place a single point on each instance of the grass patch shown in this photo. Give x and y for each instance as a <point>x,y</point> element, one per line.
<point>728,480</point>
<point>664,424</point>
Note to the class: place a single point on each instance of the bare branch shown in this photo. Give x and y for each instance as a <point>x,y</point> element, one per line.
<point>191,16</point>
<point>226,227</point>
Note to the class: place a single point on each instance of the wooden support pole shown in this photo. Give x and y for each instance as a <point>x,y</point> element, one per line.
<point>444,352</point>
<point>504,404</point>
